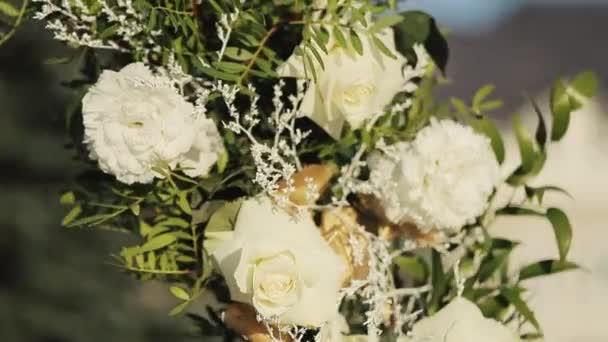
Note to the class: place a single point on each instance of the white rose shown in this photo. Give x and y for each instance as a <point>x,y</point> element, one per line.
<point>440,181</point>
<point>351,87</point>
<point>461,321</point>
<point>281,265</point>
<point>135,120</point>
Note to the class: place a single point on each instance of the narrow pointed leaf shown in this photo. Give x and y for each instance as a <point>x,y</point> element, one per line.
<point>562,229</point>
<point>544,268</point>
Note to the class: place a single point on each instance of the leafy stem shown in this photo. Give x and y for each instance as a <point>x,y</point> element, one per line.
<point>256,54</point>
<point>144,270</point>
<point>170,10</point>
<point>16,24</point>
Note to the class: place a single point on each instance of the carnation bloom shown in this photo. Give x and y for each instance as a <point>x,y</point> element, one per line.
<point>461,321</point>
<point>350,87</point>
<point>281,265</point>
<point>439,181</point>
<point>135,120</point>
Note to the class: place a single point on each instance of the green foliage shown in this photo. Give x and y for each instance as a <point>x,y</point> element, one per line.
<point>12,17</point>
<point>514,297</point>
<point>562,230</point>
<point>566,98</point>
<point>545,267</point>
<point>413,267</point>
<point>475,116</point>
<point>8,9</point>
<point>420,28</point>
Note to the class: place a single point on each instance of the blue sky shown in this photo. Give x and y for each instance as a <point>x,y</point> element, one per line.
<point>476,15</point>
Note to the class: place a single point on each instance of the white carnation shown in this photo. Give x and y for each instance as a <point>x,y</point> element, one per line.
<point>135,120</point>
<point>350,87</point>
<point>281,265</point>
<point>439,181</point>
<point>461,321</point>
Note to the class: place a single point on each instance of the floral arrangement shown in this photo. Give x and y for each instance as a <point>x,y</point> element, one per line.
<point>286,163</point>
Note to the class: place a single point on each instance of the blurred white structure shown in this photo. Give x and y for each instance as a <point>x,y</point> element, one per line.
<point>573,306</point>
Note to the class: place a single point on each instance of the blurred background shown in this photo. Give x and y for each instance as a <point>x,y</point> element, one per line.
<point>56,286</point>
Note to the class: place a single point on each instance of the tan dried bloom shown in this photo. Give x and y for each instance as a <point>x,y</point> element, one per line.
<point>315,175</point>
<point>242,318</point>
<point>389,230</point>
<point>339,229</point>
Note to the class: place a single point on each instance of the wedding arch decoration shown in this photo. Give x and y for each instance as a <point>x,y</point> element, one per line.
<point>286,162</point>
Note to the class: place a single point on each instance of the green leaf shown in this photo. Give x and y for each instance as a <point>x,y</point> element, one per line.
<point>527,149</point>
<point>179,309</point>
<point>490,106</point>
<point>152,20</point>
<point>439,280</point>
<point>183,203</point>
<point>562,229</point>
<point>8,9</point>
<point>309,66</point>
<point>586,84</point>
<point>460,106</point>
<point>238,54</point>
<point>487,127</point>
<point>493,263</point>
<point>204,212</point>
<point>413,266</point>
<point>109,31</point>
<point>541,130</point>
<point>514,210</point>
<point>135,208</point>
<point>67,198</point>
<point>71,216</point>
<point>224,218</point>
<point>415,28</point>
<point>222,161</point>
<point>174,222</point>
<point>385,21</point>
<point>179,292</point>
<point>514,297</point>
<point>230,67</point>
<point>380,45</point>
<point>481,95</point>
<point>158,242</point>
<point>539,192</point>
<point>420,28</point>
<point>545,267</point>
<point>337,33</point>
<point>493,306</point>
<point>356,42</point>
<point>318,57</point>
<point>320,38</point>
<point>560,108</point>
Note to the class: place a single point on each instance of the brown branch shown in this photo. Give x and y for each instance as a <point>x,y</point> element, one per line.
<point>256,54</point>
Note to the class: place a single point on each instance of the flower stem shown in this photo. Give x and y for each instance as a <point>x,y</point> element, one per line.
<point>16,24</point>
<point>256,54</point>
